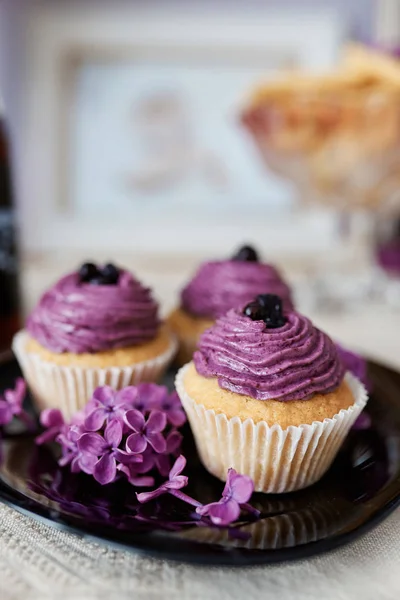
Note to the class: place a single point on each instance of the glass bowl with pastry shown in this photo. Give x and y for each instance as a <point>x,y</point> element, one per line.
<point>336,136</point>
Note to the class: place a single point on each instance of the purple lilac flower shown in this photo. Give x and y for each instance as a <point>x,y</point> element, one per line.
<point>145,432</point>
<point>176,481</point>
<point>11,403</point>
<point>106,450</point>
<point>53,421</point>
<point>168,404</point>
<point>162,461</point>
<point>71,455</point>
<point>107,404</point>
<point>237,492</point>
<point>136,472</point>
<point>149,397</point>
<point>78,418</point>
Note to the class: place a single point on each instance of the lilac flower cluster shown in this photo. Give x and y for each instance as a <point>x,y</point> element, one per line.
<point>129,432</point>
<point>133,433</point>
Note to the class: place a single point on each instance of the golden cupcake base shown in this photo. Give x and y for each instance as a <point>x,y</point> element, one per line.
<point>277,459</point>
<point>70,386</point>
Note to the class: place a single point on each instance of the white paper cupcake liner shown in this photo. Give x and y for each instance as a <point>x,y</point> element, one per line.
<point>278,460</point>
<point>69,388</point>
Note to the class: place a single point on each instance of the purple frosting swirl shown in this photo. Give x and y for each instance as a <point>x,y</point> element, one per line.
<point>292,362</point>
<point>221,285</point>
<point>81,317</point>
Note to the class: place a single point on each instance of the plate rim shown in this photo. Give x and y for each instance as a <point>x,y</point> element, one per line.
<point>218,556</point>
<point>207,554</point>
<point>157,545</point>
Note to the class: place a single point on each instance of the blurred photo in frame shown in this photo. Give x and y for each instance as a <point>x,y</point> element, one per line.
<point>138,121</point>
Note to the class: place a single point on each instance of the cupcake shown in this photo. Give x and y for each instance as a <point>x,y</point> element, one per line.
<point>218,286</point>
<point>267,394</point>
<point>94,327</point>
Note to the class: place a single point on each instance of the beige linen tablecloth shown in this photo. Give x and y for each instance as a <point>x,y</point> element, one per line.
<point>39,562</point>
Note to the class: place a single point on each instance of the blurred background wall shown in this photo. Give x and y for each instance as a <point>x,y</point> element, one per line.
<point>124,122</point>
<point>89,119</point>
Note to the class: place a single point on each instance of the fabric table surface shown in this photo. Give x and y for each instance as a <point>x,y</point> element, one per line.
<point>38,561</point>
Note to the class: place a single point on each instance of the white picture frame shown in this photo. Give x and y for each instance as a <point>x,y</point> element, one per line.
<point>59,39</point>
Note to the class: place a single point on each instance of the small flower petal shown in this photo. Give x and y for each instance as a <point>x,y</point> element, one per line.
<point>148,461</point>
<point>134,477</point>
<point>113,433</point>
<point>6,413</point>
<point>104,395</point>
<point>105,469</point>
<point>79,417</point>
<point>176,417</point>
<point>87,462</point>
<point>126,396</point>
<point>152,395</point>
<point>177,482</point>
<point>127,458</point>
<point>241,486</point>
<point>163,464</point>
<point>95,419</point>
<point>92,443</point>
<point>141,480</point>
<point>147,496</point>
<point>74,433</point>
<point>221,513</point>
<point>47,436</point>
<point>15,397</point>
<point>156,422</point>
<point>136,443</point>
<point>135,420</point>
<point>177,467</point>
<point>51,417</point>
<point>20,389</point>
<point>75,463</point>
<point>156,441</point>
<point>173,441</point>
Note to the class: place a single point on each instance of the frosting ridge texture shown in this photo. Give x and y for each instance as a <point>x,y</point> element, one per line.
<point>81,317</point>
<point>292,362</point>
<point>220,285</point>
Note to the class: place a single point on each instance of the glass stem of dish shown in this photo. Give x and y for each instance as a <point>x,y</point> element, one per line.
<point>344,225</point>
<point>385,257</point>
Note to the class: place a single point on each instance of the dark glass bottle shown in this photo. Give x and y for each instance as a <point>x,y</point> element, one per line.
<point>9,287</point>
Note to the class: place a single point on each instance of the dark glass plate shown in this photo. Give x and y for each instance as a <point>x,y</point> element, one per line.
<point>361,488</point>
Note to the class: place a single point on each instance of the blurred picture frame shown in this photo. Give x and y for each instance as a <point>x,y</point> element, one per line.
<point>62,43</point>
